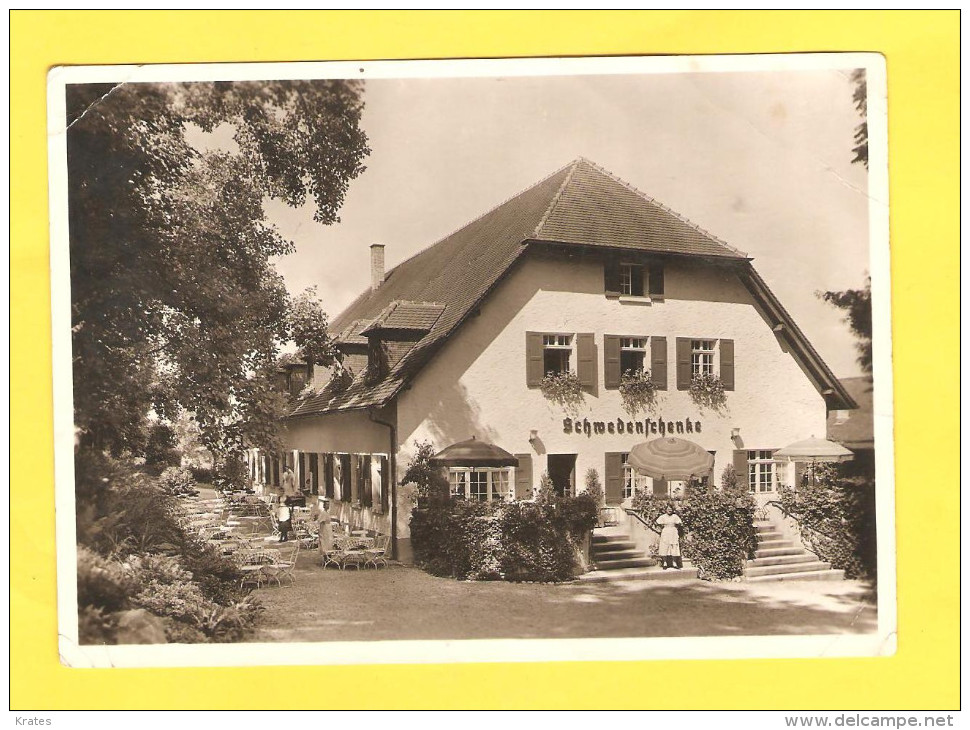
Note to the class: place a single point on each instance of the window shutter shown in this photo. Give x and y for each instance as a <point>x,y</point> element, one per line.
<point>366,482</point>
<point>660,487</point>
<point>385,483</point>
<point>658,362</point>
<point>533,359</point>
<point>614,478</point>
<point>727,363</point>
<point>611,361</point>
<point>345,488</point>
<point>328,476</point>
<point>741,466</point>
<point>586,359</point>
<point>801,469</point>
<point>523,477</point>
<point>611,277</point>
<point>683,363</point>
<point>656,281</point>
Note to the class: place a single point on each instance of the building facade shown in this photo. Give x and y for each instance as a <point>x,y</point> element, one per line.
<point>579,274</point>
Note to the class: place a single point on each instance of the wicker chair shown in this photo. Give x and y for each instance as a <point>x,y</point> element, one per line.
<point>377,555</point>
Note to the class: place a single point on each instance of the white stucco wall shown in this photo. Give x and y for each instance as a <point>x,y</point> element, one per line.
<point>476,385</point>
<point>351,433</point>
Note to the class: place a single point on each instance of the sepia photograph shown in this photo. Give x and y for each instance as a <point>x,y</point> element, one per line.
<point>578,358</point>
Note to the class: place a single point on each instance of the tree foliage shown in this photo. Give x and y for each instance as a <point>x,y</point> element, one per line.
<point>861,136</point>
<point>176,303</point>
<point>857,304</point>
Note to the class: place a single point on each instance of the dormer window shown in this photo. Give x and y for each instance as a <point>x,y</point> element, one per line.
<point>631,280</point>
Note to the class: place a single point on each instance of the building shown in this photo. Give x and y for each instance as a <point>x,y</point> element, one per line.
<point>579,273</point>
<point>854,428</point>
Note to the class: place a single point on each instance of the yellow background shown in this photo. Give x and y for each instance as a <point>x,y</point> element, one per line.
<point>922,51</point>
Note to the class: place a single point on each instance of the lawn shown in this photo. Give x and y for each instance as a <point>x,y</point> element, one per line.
<point>401,602</point>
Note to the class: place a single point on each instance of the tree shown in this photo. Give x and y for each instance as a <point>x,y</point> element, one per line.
<point>861,135</point>
<point>175,302</point>
<point>857,304</point>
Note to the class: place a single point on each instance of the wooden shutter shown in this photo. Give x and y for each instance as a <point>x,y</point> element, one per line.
<point>611,277</point>
<point>660,488</point>
<point>611,361</point>
<point>385,483</point>
<point>533,359</point>
<point>328,475</point>
<point>345,488</point>
<point>523,477</point>
<point>586,359</point>
<point>366,482</point>
<point>656,281</point>
<point>614,478</point>
<point>741,467</point>
<point>683,363</point>
<point>801,468</point>
<point>727,364</point>
<point>658,362</point>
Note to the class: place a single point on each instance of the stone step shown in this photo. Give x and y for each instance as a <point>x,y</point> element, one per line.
<point>806,567</point>
<point>639,562</point>
<point>769,535</point>
<point>774,543</point>
<point>774,552</point>
<point>617,554</point>
<point>610,538</point>
<point>617,545</point>
<point>764,527</point>
<point>803,557</point>
<point>652,573</point>
<point>832,574</point>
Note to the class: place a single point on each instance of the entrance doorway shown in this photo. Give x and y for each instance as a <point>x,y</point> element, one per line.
<point>562,472</point>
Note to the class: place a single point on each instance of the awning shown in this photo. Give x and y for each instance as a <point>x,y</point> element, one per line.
<point>813,449</point>
<point>473,453</point>
<point>671,458</point>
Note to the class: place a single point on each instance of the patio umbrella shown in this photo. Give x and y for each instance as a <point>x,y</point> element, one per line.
<point>670,458</point>
<point>473,453</point>
<point>813,450</point>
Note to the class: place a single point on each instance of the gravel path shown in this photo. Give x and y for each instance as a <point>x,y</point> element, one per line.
<point>405,603</point>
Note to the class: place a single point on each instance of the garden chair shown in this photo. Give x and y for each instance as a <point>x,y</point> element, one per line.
<point>377,555</point>
<point>283,568</point>
<point>353,553</point>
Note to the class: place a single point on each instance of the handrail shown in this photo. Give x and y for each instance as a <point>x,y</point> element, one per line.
<point>639,517</point>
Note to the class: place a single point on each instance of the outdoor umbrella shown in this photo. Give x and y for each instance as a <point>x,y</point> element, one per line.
<point>473,453</point>
<point>670,458</point>
<point>814,450</point>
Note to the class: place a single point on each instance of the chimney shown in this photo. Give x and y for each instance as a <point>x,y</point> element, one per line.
<point>376,265</point>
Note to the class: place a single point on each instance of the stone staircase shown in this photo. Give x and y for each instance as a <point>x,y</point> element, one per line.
<point>616,557</point>
<point>778,558</point>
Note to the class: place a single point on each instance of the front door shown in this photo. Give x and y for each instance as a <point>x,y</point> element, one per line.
<point>562,472</point>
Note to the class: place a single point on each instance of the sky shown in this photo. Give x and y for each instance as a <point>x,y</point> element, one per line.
<point>759,159</point>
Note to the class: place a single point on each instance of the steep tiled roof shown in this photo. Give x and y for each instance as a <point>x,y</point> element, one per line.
<point>597,209</point>
<point>580,204</point>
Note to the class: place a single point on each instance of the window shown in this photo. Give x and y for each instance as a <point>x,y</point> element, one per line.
<point>633,354</point>
<point>482,484</point>
<point>633,481</point>
<point>556,351</point>
<point>631,280</point>
<point>762,474</point>
<point>702,357</point>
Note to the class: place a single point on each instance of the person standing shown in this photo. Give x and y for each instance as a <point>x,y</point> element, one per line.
<point>283,516</point>
<point>669,549</point>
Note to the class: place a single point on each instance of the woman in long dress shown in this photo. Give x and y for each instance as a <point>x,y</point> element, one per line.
<point>669,549</point>
<point>325,529</point>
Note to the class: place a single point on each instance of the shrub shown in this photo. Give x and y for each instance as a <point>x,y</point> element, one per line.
<point>836,515</point>
<point>201,474</point>
<point>511,541</point>
<point>102,583</point>
<point>430,480</point>
<point>720,534</point>
<point>594,487</point>
<point>718,527</point>
<point>563,389</point>
<point>160,449</point>
<point>231,473</point>
<point>546,493</point>
<point>177,480</point>
<point>638,392</point>
<point>707,391</point>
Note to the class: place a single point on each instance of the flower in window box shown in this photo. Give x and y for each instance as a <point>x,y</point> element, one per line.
<point>707,391</point>
<point>638,392</point>
<point>563,389</point>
